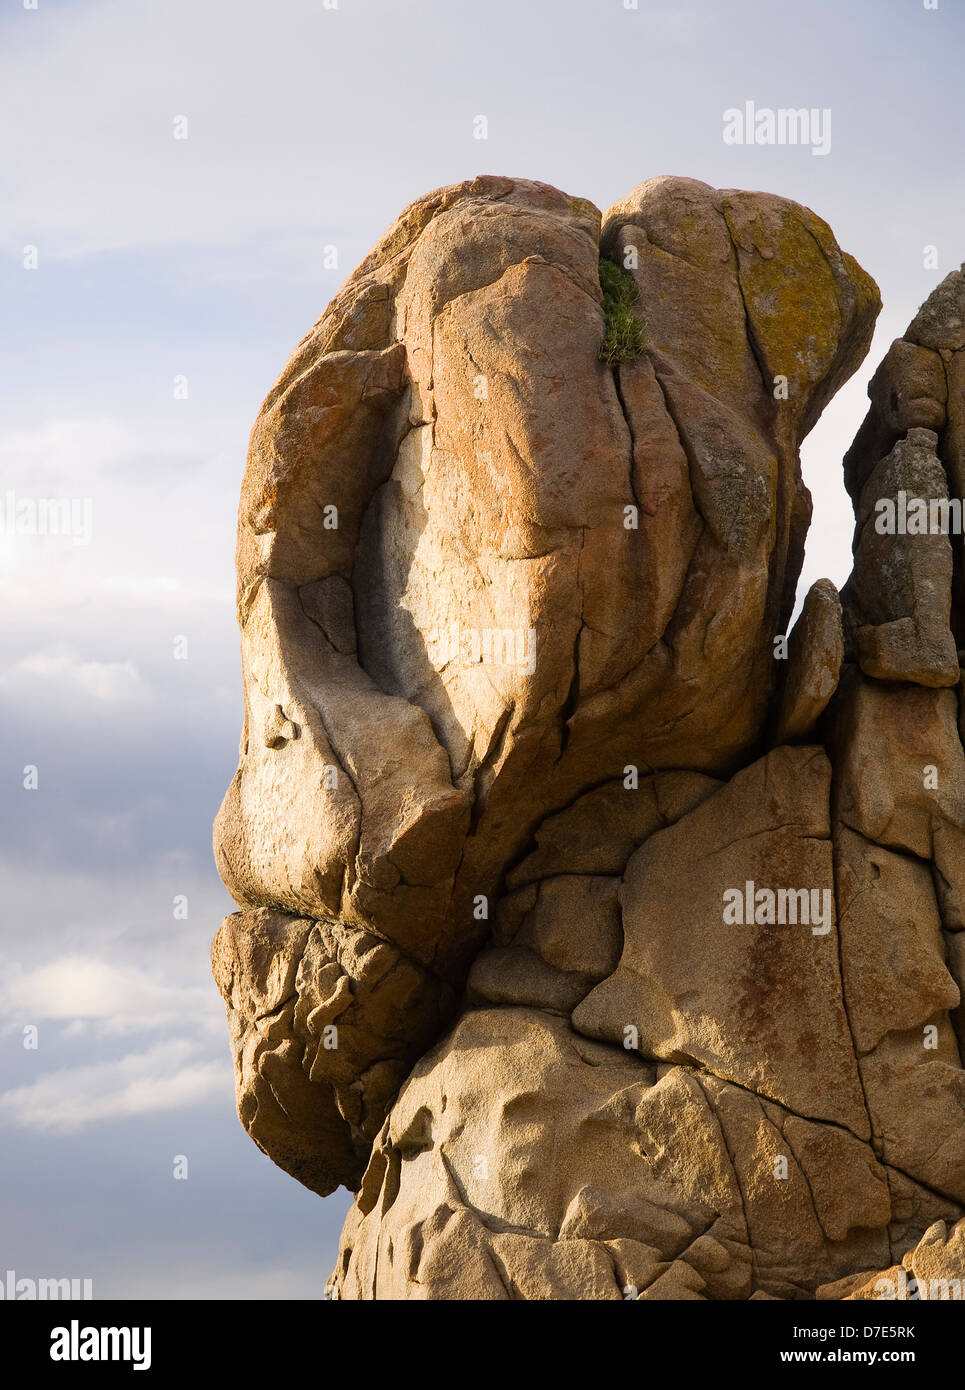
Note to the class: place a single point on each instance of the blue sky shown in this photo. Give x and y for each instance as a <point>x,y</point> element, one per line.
<point>159,258</point>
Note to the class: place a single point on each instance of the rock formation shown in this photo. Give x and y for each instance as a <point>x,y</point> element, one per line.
<point>601,936</point>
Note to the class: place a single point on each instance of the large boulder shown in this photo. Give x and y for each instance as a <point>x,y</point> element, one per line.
<point>604,937</point>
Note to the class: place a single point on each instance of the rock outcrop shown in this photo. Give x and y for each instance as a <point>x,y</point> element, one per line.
<point>603,937</point>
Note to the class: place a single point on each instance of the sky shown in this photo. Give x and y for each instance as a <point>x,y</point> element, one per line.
<point>173,178</point>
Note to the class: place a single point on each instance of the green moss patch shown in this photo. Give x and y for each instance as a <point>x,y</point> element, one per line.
<point>622,336</point>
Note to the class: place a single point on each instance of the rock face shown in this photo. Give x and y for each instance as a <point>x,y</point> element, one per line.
<point>605,943</point>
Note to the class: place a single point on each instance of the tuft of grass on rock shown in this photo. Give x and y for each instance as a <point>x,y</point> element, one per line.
<point>622,335</point>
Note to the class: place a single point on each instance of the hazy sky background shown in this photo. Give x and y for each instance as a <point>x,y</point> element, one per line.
<point>158,258</point>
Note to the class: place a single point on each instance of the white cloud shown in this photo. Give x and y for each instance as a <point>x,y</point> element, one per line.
<point>117,998</point>
<point>69,448</point>
<point>170,1076</point>
<point>61,671</point>
<point>676,24</point>
<point>94,533</point>
<point>142,585</point>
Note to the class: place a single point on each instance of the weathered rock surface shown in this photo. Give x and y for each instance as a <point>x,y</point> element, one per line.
<point>814,659</point>
<point>326,1021</point>
<point>900,595</point>
<point>599,952</point>
<point>931,1271</point>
